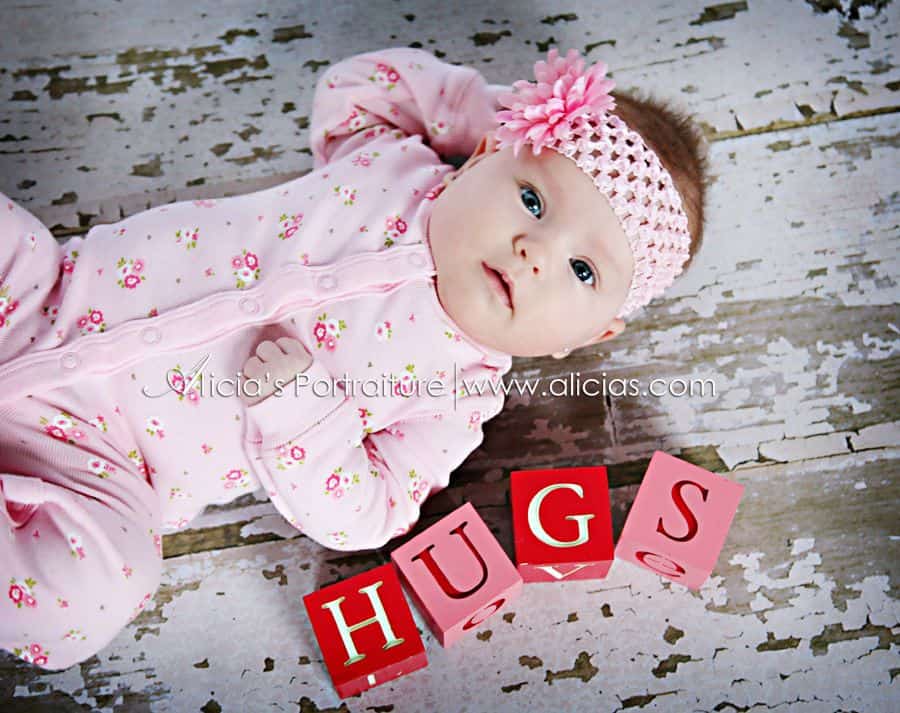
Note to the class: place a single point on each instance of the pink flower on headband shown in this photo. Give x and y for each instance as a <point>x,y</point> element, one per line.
<point>543,112</point>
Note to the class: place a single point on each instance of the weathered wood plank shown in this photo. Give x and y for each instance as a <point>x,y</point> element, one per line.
<point>85,114</point>
<point>792,613</point>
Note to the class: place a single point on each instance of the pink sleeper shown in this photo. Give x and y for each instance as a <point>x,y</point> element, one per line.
<point>120,351</point>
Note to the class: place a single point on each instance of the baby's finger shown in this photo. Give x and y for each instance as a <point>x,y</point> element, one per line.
<point>269,351</point>
<point>253,368</point>
<point>292,346</point>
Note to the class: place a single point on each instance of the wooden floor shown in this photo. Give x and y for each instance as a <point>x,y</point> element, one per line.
<point>790,308</point>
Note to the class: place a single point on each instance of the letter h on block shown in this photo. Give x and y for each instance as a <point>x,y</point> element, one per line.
<point>679,520</point>
<point>561,523</point>
<point>457,573</point>
<point>381,643</point>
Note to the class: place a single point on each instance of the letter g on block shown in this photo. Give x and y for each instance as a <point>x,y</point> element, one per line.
<point>534,517</point>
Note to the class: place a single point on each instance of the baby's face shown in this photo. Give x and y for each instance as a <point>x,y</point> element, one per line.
<point>540,220</point>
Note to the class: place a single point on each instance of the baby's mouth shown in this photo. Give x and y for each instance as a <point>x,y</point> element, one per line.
<point>498,284</point>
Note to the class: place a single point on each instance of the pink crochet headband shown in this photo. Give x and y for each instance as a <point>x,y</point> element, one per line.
<point>569,110</point>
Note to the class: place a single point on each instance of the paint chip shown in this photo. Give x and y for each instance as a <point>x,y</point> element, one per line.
<point>802,544</point>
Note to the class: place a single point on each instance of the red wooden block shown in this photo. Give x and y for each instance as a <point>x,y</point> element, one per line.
<point>365,630</point>
<point>457,573</point>
<point>679,520</point>
<point>561,523</point>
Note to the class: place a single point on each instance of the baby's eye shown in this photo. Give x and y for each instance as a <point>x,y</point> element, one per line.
<point>583,271</point>
<point>531,200</point>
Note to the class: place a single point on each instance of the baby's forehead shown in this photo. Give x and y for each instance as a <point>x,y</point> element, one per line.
<point>526,157</point>
<point>549,168</point>
<point>560,179</point>
<point>527,163</point>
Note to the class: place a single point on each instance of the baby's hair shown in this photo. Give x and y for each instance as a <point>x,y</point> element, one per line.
<point>681,146</point>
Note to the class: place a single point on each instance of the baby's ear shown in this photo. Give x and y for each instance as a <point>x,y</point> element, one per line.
<point>613,329</point>
<point>482,145</point>
<point>487,144</point>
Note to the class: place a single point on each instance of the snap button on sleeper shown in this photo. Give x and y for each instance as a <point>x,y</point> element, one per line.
<point>327,282</point>
<point>150,335</point>
<point>249,305</point>
<point>69,360</point>
<point>417,259</point>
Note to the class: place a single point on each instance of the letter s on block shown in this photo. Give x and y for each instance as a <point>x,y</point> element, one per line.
<point>534,517</point>
<point>684,510</point>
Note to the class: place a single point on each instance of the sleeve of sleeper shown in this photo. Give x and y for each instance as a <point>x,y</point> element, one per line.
<point>400,89</point>
<point>350,489</point>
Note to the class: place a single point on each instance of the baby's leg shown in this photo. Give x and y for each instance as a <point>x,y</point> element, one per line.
<point>80,553</point>
<point>31,279</point>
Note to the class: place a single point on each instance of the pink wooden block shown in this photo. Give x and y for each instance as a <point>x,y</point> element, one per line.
<point>457,573</point>
<point>679,520</point>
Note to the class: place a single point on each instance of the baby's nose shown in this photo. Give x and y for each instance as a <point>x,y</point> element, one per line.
<point>535,253</point>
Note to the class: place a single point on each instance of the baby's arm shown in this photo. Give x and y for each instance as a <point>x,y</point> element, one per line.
<point>400,88</point>
<point>348,489</point>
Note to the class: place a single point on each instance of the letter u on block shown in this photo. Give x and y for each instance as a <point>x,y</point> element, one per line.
<point>679,520</point>
<point>381,644</point>
<point>545,503</point>
<point>457,573</point>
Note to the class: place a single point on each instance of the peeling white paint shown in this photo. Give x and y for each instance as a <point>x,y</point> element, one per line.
<point>272,523</point>
<point>794,449</point>
<point>801,545</point>
<point>732,455</point>
<point>877,436</point>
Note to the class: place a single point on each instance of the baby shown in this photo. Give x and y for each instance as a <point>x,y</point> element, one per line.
<point>337,340</point>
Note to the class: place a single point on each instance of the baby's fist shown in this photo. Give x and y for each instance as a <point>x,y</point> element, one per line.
<point>282,359</point>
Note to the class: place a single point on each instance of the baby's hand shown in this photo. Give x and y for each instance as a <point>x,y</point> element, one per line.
<point>282,359</point>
